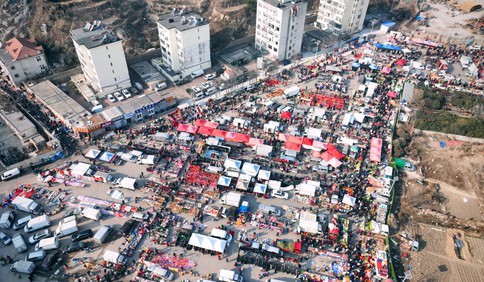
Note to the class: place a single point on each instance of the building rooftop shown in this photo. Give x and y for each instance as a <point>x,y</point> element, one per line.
<point>21,47</point>
<point>181,20</point>
<point>147,72</point>
<point>24,128</point>
<point>281,4</point>
<point>60,103</point>
<point>93,35</point>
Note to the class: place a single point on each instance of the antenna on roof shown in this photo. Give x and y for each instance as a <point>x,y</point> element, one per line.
<point>87,27</point>
<point>173,12</point>
<point>182,10</point>
<point>184,20</point>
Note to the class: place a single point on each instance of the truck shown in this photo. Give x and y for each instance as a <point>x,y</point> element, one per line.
<point>291,92</point>
<point>114,257</point>
<point>37,223</point>
<point>229,276</point>
<point>147,159</point>
<point>127,183</point>
<point>46,244</point>
<point>23,266</point>
<point>66,227</point>
<point>231,199</point>
<point>7,219</point>
<point>103,177</point>
<point>91,213</point>
<point>27,205</point>
<point>19,243</point>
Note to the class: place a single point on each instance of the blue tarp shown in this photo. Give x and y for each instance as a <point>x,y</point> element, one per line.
<point>59,155</point>
<point>243,209</point>
<point>374,67</point>
<point>335,268</point>
<point>442,144</point>
<point>388,47</point>
<point>419,18</point>
<point>355,65</point>
<point>388,23</point>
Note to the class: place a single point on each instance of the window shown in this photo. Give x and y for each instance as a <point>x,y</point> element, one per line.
<point>107,47</point>
<point>115,79</point>
<point>275,49</point>
<point>151,112</point>
<point>290,47</point>
<point>109,56</point>
<point>111,64</point>
<point>39,59</point>
<point>16,75</point>
<point>139,116</point>
<point>12,67</point>
<point>113,71</point>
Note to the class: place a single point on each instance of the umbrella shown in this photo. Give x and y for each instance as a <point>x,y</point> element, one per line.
<point>230,135</point>
<point>182,127</point>
<point>335,153</point>
<point>293,146</point>
<point>295,139</point>
<point>219,133</point>
<point>192,129</point>
<point>200,122</point>
<point>400,62</point>
<point>210,124</point>
<point>286,115</point>
<point>307,141</point>
<point>392,94</point>
<point>205,130</point>
<point>242,138</point>
<point>326,156</point>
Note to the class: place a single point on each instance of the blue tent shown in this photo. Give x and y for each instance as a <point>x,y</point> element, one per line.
<point>243,209</point>
<point>388,47</point>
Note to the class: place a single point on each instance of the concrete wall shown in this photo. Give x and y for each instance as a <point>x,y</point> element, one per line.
<point>451,136</point>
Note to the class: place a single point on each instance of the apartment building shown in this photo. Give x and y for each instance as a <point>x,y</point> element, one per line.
<point>102,58</point>
<point>184,42</point>
<point>342,16</point>
<point>280,27</point>
<point>21,59</point>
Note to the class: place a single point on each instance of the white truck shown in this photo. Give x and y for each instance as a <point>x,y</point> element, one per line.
<point>147,160</point>
<point>231,199</point>
<point>37,223</point>
<point>27,205</point>
<point>23,266</point>
<point>127,183</point>
<point>19,243</point>
<point>91,213</point>
<point>66,227</point>
<point>46,244</point>
<point>229,276</point>
<point>291,92</point>
<point>6,220</point>
<point>114,257</point>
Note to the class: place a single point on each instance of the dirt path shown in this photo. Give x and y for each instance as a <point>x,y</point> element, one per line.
<point>234,8</point>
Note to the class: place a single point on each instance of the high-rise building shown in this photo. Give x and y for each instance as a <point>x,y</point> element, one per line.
<point>22,59</point>
<point>342,16</point>
<point>280,27</point>
<point>184,41</point>
<point>102,58</point>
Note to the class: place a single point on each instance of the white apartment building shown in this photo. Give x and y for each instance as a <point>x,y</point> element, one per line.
<point>102,58</point>
<point>21,59</point>
<point>280,27</point>
<point>342,16</point>
<point>184,42</point>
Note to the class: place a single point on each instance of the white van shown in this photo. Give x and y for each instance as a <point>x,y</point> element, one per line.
<point>199,96</point>
<point>102,233</point>
<point>197,73</point>
<point>36,256</point>
<point>160,86</point>
<point>9,174</point>
<point>21,222</point>
<point>211,91</point>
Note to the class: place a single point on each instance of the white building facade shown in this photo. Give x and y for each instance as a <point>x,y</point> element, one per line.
<point>342,16</point>
<point>184,42</point>
<point>102,58</point>
<point>22,59</point>
<point>280,27</point>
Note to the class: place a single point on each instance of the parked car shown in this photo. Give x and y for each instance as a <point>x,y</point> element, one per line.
<point>82,235</point>
<point>183,81</point>
<point>118,96</point>
<point>134,90</point>
<point>6,239</point>
<point>196,89</point>
<point>280,194</point>
<point>206,85</point>
<point>75,247</point>
<point>210,76</point>
<point>111,98</point>
<point>49,261</point>
<point>39,236</point>
<point>222,86</point>
<point>126,93</point>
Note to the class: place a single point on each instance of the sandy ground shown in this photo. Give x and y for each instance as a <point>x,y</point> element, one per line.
<point>436,260</point>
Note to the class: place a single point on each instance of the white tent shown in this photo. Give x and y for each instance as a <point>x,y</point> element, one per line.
<point>314,133</point>
<point>242,184</point>
<point>260,188</point>
<point>264,175</point>
<point>79,169</point>
<point>263,150</point>
<point>161,136</point>
<point>230,163</point>
<point>271,127</point>
<point>184,136</point>
<point>349,200</point>
<point>238,122</point>
<point>92,153</point>
<point>274,184</point>
<point>309,226</point>
<point>224,181</point>
<point>250,169</point>
<point>334,162</point>
<point>208,243</point>
<point>317,112</point>
<point>212,141</point>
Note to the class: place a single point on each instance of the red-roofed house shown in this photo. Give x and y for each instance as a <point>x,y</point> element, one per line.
<point>21,59</point>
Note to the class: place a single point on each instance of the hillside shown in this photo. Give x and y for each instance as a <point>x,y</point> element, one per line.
<point>135,21</point>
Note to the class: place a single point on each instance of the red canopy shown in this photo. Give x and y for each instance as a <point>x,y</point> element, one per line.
<point>205,130</point>
<point>295,139</point>
<point>200,122</point>
<point>392,94</point>
<point>255,142</point>
<point>297,247</point>
<point>326,156</point>
<point>192,129</point>
<point>307,141</point>
<point>242,138</point>
<point>210,124</point>
<point>182,127</point>
<point>283,137</point>
<point>335,153</point>
<point>330,146</point>
<point>286,115</point>
<point>400,62</point>
<point>293,146</point>
<point>230,135</point>
<point>219,133</point>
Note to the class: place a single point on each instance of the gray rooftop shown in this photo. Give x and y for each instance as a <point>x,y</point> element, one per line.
<point>5,56</point>
<point>181,22</point>
<point>23,126</point>
<point>147,72</point>
<point>281,4</point>
<point>93,37</point>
